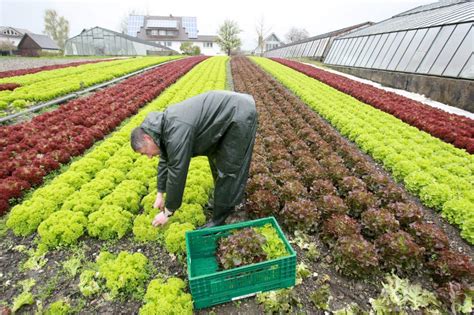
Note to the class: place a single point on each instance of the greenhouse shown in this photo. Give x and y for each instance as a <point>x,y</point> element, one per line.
<point>316,47</point>
<point>434,40</point>
<point>99,41</point>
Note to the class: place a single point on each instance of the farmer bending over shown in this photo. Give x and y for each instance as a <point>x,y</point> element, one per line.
<point>218,124</point>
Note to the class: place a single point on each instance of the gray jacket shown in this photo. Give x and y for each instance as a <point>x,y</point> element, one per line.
<point>195,127</point>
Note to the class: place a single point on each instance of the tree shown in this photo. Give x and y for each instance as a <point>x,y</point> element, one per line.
<point>262,32</point>
<point>196,50</point>
<point>228,36</point>
<point>296,34</point>
<point>124,24</point>
<point>188,48</point>
<point>57,27</point>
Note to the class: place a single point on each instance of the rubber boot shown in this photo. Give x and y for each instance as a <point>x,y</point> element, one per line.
<point>219,217</point>
<point>210,202</point>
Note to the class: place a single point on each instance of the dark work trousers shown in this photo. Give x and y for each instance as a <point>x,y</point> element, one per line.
<point>234,154</point>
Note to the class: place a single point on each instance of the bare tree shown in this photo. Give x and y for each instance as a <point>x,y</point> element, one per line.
<point>228,36</point>
<point>57,27</point>
<point>123,26</point>
<point>262,32</point>
<point>296,34</point>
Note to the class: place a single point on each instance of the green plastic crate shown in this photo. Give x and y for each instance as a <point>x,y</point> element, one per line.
<point>210,287</point>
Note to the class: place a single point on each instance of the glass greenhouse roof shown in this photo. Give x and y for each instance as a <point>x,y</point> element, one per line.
<point>458,12</point>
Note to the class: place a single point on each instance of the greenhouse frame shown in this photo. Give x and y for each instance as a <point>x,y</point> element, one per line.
<point>316,47</point>
<point>435,39</point>
<point>99,41</point>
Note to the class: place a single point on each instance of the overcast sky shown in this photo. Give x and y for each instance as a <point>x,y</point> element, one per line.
<point>316,17</point>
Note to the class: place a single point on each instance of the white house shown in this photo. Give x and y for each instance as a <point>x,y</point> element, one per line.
<point>171,31</point>
<point>270,42</point>
<point>11,36</point>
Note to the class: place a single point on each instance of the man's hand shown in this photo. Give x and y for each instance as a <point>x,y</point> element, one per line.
<point>161,218</point>
<point>159,201</point>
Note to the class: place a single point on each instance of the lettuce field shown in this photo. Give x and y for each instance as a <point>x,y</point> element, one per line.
<point>374,191</point>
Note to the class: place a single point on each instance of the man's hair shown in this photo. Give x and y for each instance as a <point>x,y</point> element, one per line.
<point>137,139</point>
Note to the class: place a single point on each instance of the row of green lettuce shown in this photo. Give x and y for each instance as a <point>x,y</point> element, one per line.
<point>47,85</point>
<point>441,175</point>
<point>102,195</point>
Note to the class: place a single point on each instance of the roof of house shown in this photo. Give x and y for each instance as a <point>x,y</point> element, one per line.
<point>43,41</point>
<point>205,38</point>
<point>273,35</point>
<point>20,31</point>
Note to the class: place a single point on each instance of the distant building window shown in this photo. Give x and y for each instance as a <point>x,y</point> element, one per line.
<point>171,33</point>
<point>168,44</point>
<point>154,32</point>
<point>162,32</point>
<point>270,46</point>
<point>9,32</point>
<point>207,44</point>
